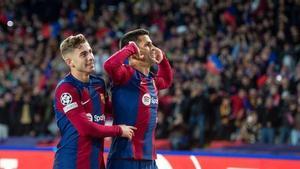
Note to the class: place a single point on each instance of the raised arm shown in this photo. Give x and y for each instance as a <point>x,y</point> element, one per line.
<point>164,75</point>
<point>115,67</point>
<point>108,110</point>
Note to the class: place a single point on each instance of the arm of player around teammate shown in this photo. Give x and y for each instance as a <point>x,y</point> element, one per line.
<point>68,101</point>
<point>115,67</point>
<point>164,75</point>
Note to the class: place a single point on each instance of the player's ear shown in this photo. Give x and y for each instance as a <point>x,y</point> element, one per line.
<point>68,61</point>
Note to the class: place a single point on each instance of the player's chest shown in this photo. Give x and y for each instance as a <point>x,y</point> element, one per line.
<point>92,98</point>
<point>147,93</point>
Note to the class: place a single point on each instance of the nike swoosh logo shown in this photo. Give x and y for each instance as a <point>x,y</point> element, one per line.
<point>142,83</point>
<point>96,88</point>
<point>83,103</point>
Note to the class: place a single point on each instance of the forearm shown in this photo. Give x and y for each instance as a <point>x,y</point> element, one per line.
<point>164,74</point>
<point>115,62</point>
<point>89,128</point>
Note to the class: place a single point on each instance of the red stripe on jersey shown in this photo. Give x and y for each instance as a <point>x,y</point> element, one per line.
<point>142,123</point>
<point>83,153</point>
<point>101,159</point>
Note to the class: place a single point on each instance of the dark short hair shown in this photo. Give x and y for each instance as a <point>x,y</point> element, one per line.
<point>71,43</point>
<point>132,36</point>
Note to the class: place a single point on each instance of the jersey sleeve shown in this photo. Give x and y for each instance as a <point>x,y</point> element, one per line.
<point>115,67</point>
<point>67,100</point>
<point>108,106</point>
<point>164,76</point>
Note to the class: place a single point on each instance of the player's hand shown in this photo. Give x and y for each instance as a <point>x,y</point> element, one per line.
<point>127,131</point>
<point>138,55</point>
<point>156,55</point>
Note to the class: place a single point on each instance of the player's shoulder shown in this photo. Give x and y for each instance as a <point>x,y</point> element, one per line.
<point>67,96</point>
<point>65,85</point>
<point>97,80</point>
<point>66,93</point>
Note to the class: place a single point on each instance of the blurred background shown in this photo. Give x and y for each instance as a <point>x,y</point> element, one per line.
<point>236,64</point>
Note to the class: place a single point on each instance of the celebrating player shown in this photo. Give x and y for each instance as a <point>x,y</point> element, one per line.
<point>80,104</point>
<point>135,100</point>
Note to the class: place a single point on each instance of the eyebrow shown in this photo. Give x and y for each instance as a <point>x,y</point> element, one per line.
<point>85,51</point>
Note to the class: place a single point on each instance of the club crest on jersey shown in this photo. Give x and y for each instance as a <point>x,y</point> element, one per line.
<point>66,99</point>
<point>147,99</point>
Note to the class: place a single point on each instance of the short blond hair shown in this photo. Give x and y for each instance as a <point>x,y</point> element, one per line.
<point>71,43</point>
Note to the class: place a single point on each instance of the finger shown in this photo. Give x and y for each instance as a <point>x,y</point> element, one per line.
<point>159,57</point>
<point>154,60</point>
<point>130,136</point>
<point>156,55</point>
<point>156,49</point>
<point>159,54</point>
<point>133,128</point>
<point>132,42</point>
<point>136,46</point>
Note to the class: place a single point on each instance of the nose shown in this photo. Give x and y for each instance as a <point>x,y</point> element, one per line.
<point>91,56</point>
<point>152,47</point>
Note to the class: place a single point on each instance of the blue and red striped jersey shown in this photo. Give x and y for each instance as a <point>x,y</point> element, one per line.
<point>135,102</point>
<point>79,112</point>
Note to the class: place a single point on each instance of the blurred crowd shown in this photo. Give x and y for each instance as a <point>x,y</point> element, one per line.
<point>236,64</point>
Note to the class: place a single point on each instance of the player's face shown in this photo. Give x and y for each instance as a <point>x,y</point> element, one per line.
<point>82,59</point>
<point>145,45</point>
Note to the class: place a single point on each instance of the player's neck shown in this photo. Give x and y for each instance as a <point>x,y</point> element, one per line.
<point>143,69</point>
<point>140,66</point>
<point>83,77</point>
